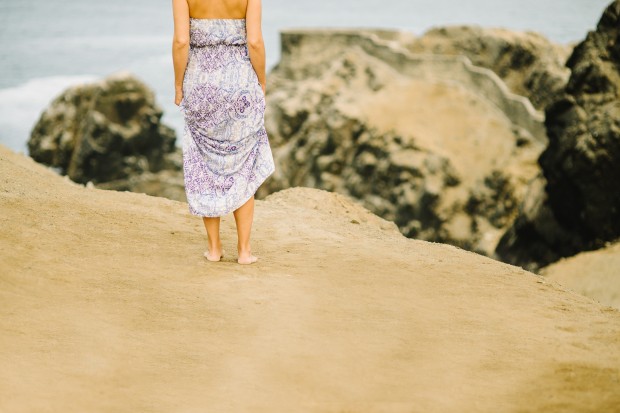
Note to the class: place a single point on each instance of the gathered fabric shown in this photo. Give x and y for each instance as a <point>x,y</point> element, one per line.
<point>226,151</point>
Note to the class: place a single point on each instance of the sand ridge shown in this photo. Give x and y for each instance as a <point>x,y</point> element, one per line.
<point>595,274</point>
<point>108,305</point>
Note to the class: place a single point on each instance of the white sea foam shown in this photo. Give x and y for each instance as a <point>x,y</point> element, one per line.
<point>21,106</point>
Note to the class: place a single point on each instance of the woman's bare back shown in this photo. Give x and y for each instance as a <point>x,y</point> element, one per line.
<point>217,9</point>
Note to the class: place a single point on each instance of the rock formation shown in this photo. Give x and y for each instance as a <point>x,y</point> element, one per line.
<point>433,143</point>
<point>167,183</point>
<point>582,161</point>
<point>104,131</point>
<point>527,62</point>
<point>579,208</point>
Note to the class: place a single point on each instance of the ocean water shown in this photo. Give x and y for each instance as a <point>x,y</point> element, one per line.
<point>49,45</point>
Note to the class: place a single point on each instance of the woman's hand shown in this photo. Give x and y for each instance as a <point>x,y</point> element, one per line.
<point>178,96</point>
<point>263,86</point>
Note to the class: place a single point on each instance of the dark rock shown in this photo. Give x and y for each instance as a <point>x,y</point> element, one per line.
<point>580,207</point>
<point>103,131</point>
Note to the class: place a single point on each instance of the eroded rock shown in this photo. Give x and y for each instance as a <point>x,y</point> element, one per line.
<point>527,62</point>
<point>352,112</point>
<point>579,208</point>
<point>103,131</point>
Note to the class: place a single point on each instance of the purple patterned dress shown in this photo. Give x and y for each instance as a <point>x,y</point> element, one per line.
<point>226,152</point>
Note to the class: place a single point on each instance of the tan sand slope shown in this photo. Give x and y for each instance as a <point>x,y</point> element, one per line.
<point>595,274</point>
<point>108,305</point>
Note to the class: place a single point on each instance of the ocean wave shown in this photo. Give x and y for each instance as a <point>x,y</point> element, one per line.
<point>21,106</point>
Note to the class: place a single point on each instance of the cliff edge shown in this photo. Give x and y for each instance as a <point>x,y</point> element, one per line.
<point>108,305</point>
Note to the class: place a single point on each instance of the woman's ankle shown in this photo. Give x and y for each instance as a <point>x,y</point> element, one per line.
<point>246,250</point>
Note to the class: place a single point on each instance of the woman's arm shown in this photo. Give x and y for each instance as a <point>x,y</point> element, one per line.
<point>180,45</point>
<point>256,45</point>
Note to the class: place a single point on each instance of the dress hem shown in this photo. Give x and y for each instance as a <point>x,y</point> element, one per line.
<point>253,192</point>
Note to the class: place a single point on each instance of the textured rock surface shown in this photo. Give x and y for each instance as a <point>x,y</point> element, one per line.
<point>103,131</point>
<point>167,183</point>
<point>313,49</point>
<point>530,64</point>
<point>579,208</point>
<point>433,156</point>
<point>582,162</point>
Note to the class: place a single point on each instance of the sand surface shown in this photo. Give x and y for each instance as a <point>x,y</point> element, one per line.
<point>595,274</point>
<point>109,306</point>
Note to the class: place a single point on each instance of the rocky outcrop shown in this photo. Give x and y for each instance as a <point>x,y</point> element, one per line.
<point>104,131</point>
<point>167,183</point>
<point>527,62</point>
<point>582,161</point>
<point>305,53</point>
<point>579,208</point>
<point>433,143</point>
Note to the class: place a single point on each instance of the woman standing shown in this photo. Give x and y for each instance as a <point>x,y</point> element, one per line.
<point>219,67</point>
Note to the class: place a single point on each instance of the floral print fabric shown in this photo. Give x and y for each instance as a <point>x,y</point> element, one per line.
<point>226,152</point>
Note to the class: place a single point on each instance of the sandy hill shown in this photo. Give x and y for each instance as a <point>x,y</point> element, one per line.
<point>108,305</point>
<point>595,274</point>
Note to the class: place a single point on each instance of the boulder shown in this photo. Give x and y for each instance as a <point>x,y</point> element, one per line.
<point>579,208</point>
<point>356,113</point>
<point>582,162</point>
<point>527,62</point>
<point>103,131</point>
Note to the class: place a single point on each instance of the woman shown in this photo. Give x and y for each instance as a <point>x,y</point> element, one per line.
<point>219,68</point>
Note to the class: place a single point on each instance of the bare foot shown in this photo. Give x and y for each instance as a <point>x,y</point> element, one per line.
<point>247,258</point>
<point>213,257</point>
